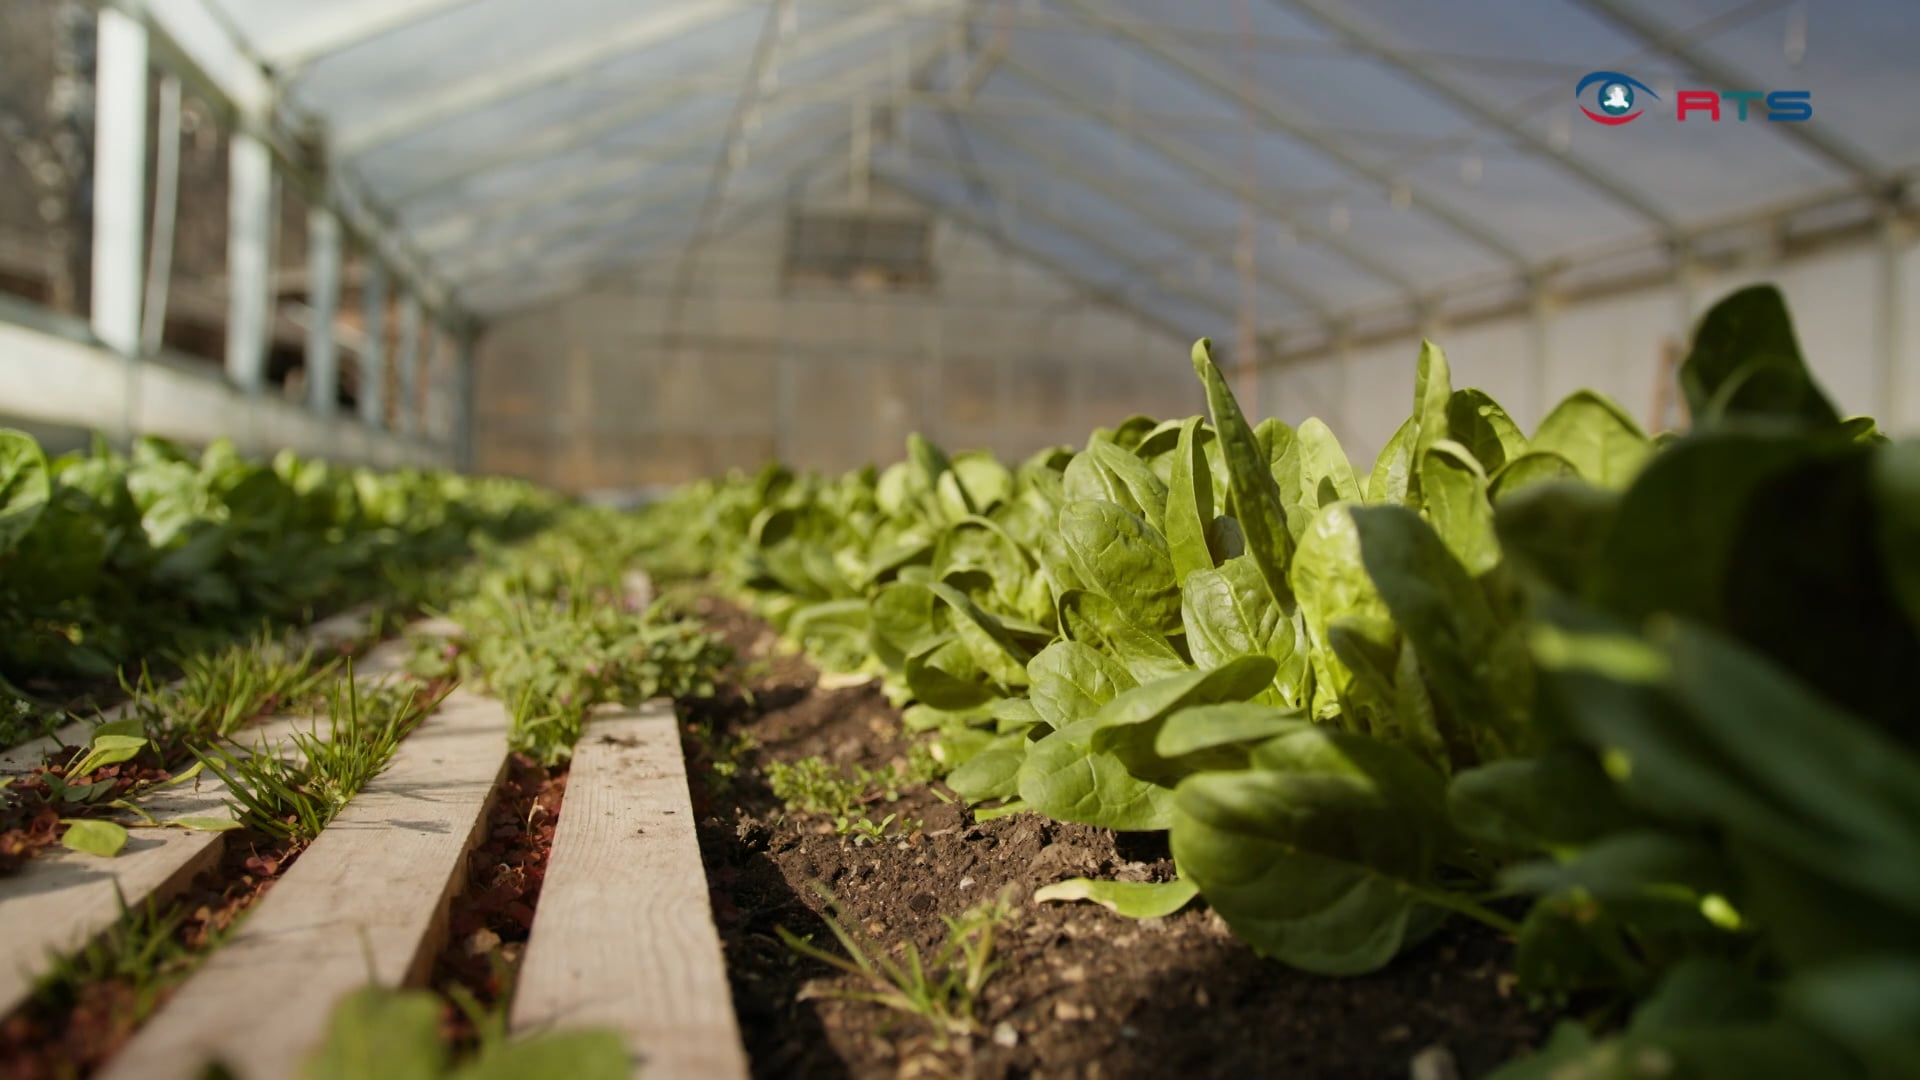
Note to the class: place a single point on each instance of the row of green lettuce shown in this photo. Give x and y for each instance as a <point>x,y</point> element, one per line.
<point>108,559</point>
<point>1643,704</point>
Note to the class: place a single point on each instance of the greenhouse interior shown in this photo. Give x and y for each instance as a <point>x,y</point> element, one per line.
<point>959,538</point>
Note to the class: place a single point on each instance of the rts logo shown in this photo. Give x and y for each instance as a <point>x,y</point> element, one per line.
<point>1616,97</point>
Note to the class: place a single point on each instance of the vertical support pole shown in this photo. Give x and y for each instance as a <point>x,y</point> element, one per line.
<point>249,284</point>
<point>1687,283</point>
<point>860,151</point>
<point>166,214</point>
<point>1539,341</point>
<point>928,405</point>
<point>119,180</point>
<point>1893,335</point>
<point>406,409</point>
<point>463,401</point>
<point>373,357</point>
<point>1002,404</point>
<point>323,297</point>
<point>1342,381</point>
<point>1077,388</point>
<point>1688,278</point>
<point>428,401</point>
<point>783,392</point>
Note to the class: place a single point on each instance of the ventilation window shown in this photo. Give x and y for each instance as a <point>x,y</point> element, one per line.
<point>862,251</point>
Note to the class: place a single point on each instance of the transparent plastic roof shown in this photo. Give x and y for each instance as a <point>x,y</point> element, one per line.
<point>1369,154</point>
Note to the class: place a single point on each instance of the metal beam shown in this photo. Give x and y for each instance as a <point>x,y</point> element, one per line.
<point>1137,117</point>
<point>119,180</point>
<point>628,110</point>
<point>915,61</point>
<point>406,410</point>
<point>636,251</point>
<point>372,383</point>
<point>1279,118</point>
<point>595,218</point>
<point>458,232</point>
<point>1066,166</point>
<point>1339,20</point>
<point>465,356</point>
<point>591,127</point>
<point>1821,141</point>
<point>1088,289</point>
<point>568,191</point>
<point>504,250</point>
<point>1220,178</point>
<point>570,60</point>
<point>1028,15</point>
<point>987,61</point>
<point>1090,238</point>
<point>557,255</point>
<point>203,49</point>
<point>323,297</point>
<point>334,27</point>
<point>249,263</point>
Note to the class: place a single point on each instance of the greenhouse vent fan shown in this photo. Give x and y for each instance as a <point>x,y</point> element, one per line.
<point>861,250</point>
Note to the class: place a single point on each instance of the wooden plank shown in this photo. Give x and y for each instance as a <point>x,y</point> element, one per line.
<point>366,902</point>
<point>623,936</point>
<point>60,899</point>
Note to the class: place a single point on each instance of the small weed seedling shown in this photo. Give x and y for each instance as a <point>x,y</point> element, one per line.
<point>222,690</point>
<point>547,632</point>
<point>143,949</point>
<point>941,991</point>
<point>722,753</point>
<point>812,786</point>
<point>296,795</point>
<point>21,720</point>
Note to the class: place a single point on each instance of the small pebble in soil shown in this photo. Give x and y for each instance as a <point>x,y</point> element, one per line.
<point>1433,1063</point>
<point>1075,974</point>
<point>1005,1036</point>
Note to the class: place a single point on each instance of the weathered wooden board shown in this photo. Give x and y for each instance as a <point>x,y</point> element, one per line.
<point>60,899</point>
<point>366,902</point>
<point>623,937</point>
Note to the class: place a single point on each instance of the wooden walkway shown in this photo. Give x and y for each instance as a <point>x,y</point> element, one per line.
<point>366,902</point>
<point>624,936</point>
<point>61,899</point>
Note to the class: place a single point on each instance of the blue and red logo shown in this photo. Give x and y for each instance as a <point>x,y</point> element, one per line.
<point>1616,100</point>
<point>1616,96</point>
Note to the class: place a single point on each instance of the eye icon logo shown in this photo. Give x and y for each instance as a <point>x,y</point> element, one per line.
<point>1616,97</point>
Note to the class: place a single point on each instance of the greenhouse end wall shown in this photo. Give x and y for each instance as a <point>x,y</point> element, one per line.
<point>597,392</point>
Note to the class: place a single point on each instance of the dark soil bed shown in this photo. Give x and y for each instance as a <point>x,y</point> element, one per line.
<point>491,917</point>
<point>1081,992</point>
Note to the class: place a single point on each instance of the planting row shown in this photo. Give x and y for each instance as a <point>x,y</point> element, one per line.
<point>1635,703</point>
<point>108,560</point>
